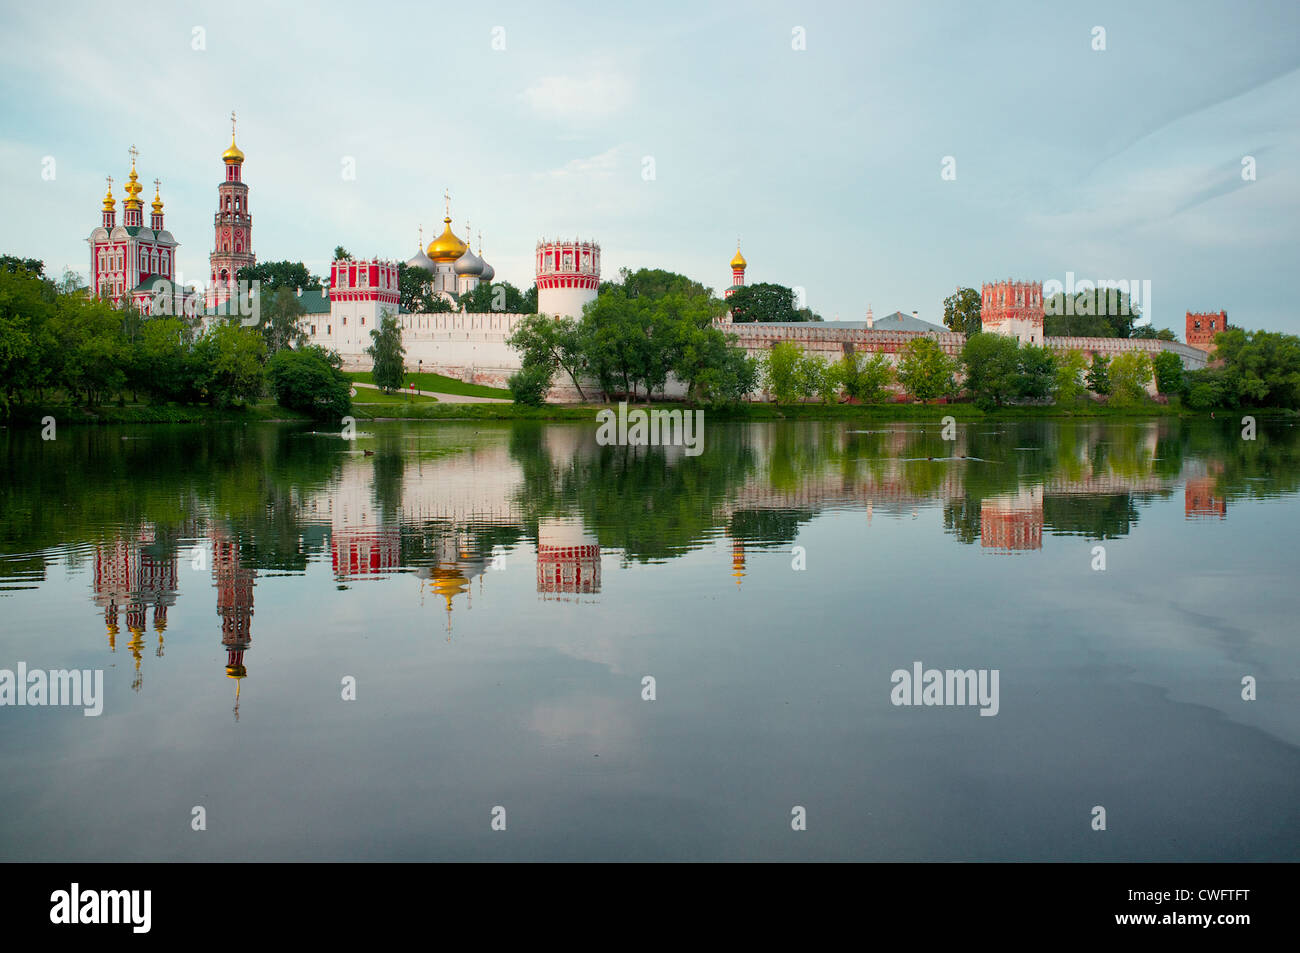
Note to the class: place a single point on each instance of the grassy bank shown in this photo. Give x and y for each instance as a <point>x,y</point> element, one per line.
<point>373,405</point>
<point>438,384</point>
<point>264,411</point>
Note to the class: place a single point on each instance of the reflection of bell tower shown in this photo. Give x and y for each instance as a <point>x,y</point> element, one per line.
<point>235,606</point>
<point>738,560</point>
<point>1201,497</point>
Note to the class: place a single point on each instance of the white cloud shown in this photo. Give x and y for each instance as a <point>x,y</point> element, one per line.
<point>578,98</point>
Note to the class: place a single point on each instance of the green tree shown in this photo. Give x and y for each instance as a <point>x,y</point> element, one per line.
<point>13,264</point>
<point>164,365</point>
<point>1101,312</point>
<point>764,302</point>
<point>281,311</point>
<point>1260,368</point>
<point>389,371</point>
<point>1168,368</point>
<point>554,343</point>
<point>530,383</point>
<point>500,297</point>
<point>1068,387</point>
<point>272,275</point>
<point>1035,372</point>
<point>961,311</point>
<point>813,379</point>
<point>230,359</point>
<point>865,377</point>
<point>416,294</point>
<point>728,382</point>
<point>992,365</point>
<point>926,371</point>
<point>1149,331</point>
<point>310,382</point>
<point>341,253</point>
<point>1098,376</point>
<point>1130,373</point>
<point>781,372</point>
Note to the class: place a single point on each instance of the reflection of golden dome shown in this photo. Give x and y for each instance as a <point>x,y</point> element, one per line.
<point>236,671</point>
<point>738,263</point>
<point>446,247</point>
<point>233,154</point>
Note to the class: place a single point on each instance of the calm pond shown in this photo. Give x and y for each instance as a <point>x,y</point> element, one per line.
<point>386,649</point>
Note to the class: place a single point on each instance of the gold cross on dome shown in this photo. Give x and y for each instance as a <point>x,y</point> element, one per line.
<point>232,124</point>
<point>134,152</point>
<point>446,196</point>
<point>157,184</point>
<point>109,180</point>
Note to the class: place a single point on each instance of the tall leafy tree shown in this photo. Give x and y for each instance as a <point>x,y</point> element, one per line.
<point>498,297</point>
<point>556,343</point>
<point>416,294</point>
<point>1130,373</point>
<point>992,364</point>
<point>232,359</point>
<point>764,302</point>
<point>926,371</point>
<point>1067,386</point>
<point>1098,376</point>
<point>279,320</point>
<point>782,372</point>
<point>1168,368</point>
<point>341,253</point>
<point>961,311</point>
<point>272,275</point>
<point>1035,372</point>
<point>866,377</point>
<point>310,382</point>
<point>388,354</point>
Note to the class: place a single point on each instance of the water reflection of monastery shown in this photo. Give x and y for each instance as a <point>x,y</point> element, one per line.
<point>440,525</point>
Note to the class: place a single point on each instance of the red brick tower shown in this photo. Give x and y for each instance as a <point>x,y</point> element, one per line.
<point>1203,326</point>
<point>1013,308</point>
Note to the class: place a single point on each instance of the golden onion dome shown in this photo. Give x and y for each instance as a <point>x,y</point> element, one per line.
<point>133,190</point>
<point>738,263</point>
<point>157,203</point>
<point>110,203</point>
<point>234,153</point>
<point>446,247</point>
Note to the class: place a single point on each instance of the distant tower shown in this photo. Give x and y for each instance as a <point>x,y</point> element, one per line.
<point>568,276</point>
<point>232,247</point>
<point>234,585</point>
<point>1203,326</point>
<point>738,264</point>
<point>1013,308</point>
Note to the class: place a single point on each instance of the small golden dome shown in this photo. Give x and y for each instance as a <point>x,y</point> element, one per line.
<point>738,263</point>
<point>234,153</point>
<point>156,204</point>
<point>133,190</point>
<point>446,247</point>
<point>110,203</point>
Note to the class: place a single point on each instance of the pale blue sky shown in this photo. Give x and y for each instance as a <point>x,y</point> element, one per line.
<point>824,161</point>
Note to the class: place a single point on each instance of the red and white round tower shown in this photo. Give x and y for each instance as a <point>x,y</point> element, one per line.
<point>568,276</point>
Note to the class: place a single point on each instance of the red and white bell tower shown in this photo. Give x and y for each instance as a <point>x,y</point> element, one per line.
<point>233,225</point>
